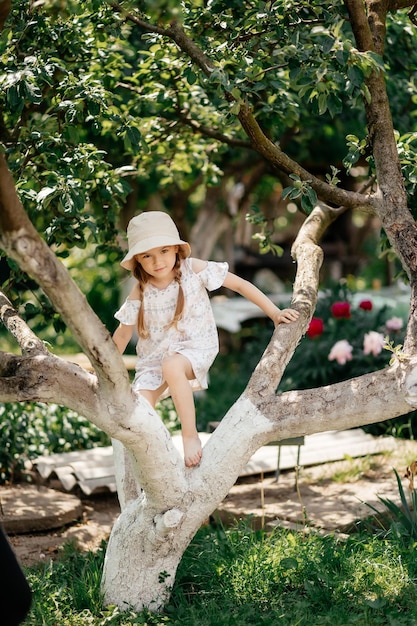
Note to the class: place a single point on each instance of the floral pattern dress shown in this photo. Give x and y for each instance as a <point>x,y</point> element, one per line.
<point>195,336</point>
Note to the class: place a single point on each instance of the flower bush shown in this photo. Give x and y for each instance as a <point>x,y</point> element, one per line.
<point>354,334</point>
<point>343,340</point>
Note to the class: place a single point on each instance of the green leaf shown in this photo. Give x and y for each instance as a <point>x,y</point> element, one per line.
<point>366,93</point>
<point>286,191</point>
<point>289,563</point>
<point>312,196</point>
<point>306,204</point>
<point>14,100</point>
<point>235,108</point>
<point>322,101</point>
<point>46,194</point>
<point>190,76</point>
<point>33,92</point>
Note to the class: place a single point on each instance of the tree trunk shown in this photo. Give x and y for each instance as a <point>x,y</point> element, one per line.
<point>163,503</point>
<point>142,556</point>
<point>155,527</point>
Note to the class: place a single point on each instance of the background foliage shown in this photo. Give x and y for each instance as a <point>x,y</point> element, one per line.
<point>103,116</point>
<point>31,430</point>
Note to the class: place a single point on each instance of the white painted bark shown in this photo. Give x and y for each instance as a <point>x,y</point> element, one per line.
<point>163,503</point>
<point>148,540</point>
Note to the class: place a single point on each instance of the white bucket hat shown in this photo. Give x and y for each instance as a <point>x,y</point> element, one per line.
<point>152,229</point>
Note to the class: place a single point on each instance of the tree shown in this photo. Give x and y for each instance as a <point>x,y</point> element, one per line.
<point>229,67</point>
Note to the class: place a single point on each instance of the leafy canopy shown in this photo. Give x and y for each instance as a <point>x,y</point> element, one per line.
<point>96,97</point>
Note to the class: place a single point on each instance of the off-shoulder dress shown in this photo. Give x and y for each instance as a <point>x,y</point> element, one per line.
<point>196,334</point>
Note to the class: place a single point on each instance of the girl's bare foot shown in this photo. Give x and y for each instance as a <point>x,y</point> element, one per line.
<point>192,451</point>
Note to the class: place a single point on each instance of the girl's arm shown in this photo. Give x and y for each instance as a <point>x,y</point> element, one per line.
<point>255,295</point>
<point>122,335</point>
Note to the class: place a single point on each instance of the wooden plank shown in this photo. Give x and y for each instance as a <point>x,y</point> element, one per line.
<point>94,469</point>
<point>84,471</point>
<point>102,456</point>
<point>83,361</point>
<point>104,484</point>
<point>66,477</point>
<point>319,448</point>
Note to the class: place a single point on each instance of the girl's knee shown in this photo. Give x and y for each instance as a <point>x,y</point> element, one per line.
<point>175,365</point>
<point>171,365</point>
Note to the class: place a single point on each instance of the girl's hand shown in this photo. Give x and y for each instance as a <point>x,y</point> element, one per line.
<point>285,316</point>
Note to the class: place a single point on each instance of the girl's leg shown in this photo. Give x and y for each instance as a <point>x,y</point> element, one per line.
<point>152,395</point>
<point>177,373</point>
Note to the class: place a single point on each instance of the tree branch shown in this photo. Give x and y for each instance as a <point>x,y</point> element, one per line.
<point>21,242</point>
<point>213,134</point>
<point>29,343</point>
<point>391,206</point>
<point>309,257</point>
<point>259,140</point>
<point>363,400</point>
<point>280,160</point>
<point>367,399</point>
<point>5,7</point>
<point>38,378</point>
<point>359,24</point>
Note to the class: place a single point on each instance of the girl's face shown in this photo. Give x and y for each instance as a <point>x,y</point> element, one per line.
<point>159,262</point>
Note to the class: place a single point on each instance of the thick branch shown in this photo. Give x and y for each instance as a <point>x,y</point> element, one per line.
<point>399,225</point>
<point>309,257</point>
<point>5,6</point>
<point>368,31</point>
<point>21,242</point>
<point>29,343</point>
<point>367,399</point>
<point>361,22</point>
<point>40,378</point>
<point>364,400</point>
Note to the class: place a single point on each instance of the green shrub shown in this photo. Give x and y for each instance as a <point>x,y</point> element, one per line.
<point>33,429</point>
<point>401,519</point>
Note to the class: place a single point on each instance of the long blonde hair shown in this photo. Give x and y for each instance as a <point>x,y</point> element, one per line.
<point>143,278</point>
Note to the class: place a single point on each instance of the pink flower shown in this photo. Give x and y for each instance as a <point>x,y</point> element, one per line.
<point>341,352</point>
<point>395,323</point>
<point>315,328</point>
<point>373,343</point>
<point>366,305</point>
<point>340,309</point>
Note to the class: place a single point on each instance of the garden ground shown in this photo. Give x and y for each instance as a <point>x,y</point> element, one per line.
<point>330,497</point>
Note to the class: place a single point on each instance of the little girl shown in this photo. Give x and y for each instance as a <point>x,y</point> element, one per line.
<point>170,309</point>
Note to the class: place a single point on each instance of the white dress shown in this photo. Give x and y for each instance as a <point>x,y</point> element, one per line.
<point>196,334</point>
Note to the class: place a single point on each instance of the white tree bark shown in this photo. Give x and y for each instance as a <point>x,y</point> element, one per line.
<point>163,502</point>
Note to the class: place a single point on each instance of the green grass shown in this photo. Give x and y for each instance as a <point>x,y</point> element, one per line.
<point>354,469</point>
<point>238,577</point>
